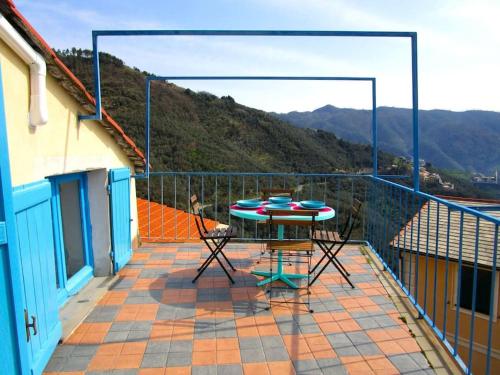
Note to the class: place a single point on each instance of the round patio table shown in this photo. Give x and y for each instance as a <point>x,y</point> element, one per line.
<point>259,214</point>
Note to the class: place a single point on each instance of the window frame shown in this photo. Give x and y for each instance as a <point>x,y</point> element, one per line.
<point>469,311</point>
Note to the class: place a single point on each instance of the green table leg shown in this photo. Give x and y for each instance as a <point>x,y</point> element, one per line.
<point>279,274</point>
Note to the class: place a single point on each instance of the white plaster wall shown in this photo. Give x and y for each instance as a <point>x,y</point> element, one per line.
<point>63,145</point>
<point>97,182</point>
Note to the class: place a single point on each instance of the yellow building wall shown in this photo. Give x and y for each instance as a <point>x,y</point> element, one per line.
<point>63,145</point>
<point>464,320</point>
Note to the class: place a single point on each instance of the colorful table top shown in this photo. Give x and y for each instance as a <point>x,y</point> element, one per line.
<point>259,213</point>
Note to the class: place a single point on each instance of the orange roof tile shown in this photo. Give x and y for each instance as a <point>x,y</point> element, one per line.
<point>167,223</point>
<point>34,38</point>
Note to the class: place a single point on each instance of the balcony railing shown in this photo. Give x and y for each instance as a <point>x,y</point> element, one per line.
<point>442,254</point>
<point>170,192</point>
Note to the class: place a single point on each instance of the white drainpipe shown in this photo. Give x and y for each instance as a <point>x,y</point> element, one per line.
<point>38,100</point>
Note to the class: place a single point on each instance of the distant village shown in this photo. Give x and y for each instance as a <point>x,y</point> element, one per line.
<point>479,178</point>
<point>402,164</point>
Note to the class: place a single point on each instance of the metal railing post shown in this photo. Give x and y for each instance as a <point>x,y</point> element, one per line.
<point>162,218</point>
<point>492,301</point>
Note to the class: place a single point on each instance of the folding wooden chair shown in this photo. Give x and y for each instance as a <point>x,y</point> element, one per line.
<point>328,240</point>
<point>292,248</point>
<point>215,240</point>
<point>266,193</point>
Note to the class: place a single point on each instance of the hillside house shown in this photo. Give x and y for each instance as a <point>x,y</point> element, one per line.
<point>72,193</point>
<point>428,231</point>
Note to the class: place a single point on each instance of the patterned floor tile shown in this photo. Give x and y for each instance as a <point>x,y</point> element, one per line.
<point>154,320</point>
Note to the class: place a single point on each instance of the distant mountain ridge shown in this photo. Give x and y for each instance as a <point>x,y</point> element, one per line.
<point>468,141</point>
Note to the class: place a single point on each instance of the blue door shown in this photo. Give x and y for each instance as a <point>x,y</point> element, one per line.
<point>13,350</point>
<point>73,244</point>
<point>29,321</point>
<point>119,188</point>
<point>35,242</point>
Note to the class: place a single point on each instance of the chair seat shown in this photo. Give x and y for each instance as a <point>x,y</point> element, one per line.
<point>219,233</point>
<point>290,245</point>
<point>326,236</point>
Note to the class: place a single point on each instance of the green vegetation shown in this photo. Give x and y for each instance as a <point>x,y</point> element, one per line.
<point>466,141</point>
<point>201,132</point>
<point>463,186</point>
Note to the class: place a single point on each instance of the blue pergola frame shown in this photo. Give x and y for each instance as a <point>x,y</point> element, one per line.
<point>270,33</point>
<point>373,81</point>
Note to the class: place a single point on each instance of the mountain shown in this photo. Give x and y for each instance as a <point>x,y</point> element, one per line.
<point>201,132</point>
<point>467,141</point>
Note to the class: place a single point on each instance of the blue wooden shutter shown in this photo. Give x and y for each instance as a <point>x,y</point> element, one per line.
<point>119,185</point>
<point>13,348</point>
<point>35,241</point>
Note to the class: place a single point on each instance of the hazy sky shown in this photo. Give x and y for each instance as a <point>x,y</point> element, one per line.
<point>458,41</point>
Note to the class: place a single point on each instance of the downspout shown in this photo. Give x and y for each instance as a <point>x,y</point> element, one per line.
<point>38,99</point>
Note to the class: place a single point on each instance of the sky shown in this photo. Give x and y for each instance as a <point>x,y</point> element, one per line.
<point>458,47</point>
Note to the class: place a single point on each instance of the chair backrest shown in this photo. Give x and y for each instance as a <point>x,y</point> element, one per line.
<point>276,217</point>
<point>351,219</point>
<point>266,193</point>
<point>198,212</point>
<point>195,205</point>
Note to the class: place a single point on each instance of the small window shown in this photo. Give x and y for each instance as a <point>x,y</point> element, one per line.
<point>483,289</point>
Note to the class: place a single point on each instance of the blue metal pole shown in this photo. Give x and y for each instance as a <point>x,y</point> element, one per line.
<point>189,207</point>
<point>412,213</point>
<point>97,82</point>
<point>400,225</point>
<point>229,200</point>
<point>175,205</point>
<point>383,178</point>
<point>459,285</point>
<point>417,253</point>
<point>414,85</point>
<point>427,254</point>
<point>216,196</point>
<point>243,197</point>
<point>387,229</point>
<point>148,122</point>
<point>405,223</point>
<point>281,33</point>
<point>317,33</point>
<point>492,299</point>
<point>474,294</point>
<point>385,212</point>
<point>447,267</point>
<point>259,78</point>
<point>374,128</point>
<point>435,267</point>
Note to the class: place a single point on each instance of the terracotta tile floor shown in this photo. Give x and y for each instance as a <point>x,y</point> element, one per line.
<point>155,321</point>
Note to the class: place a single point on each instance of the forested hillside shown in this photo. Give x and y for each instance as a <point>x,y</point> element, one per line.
<point>201,132</point>
<point>467,141</point>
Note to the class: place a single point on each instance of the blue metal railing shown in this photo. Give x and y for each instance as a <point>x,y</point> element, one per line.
<point>96,34</point>
<point>371,80</point>
<point>424,242</point>
<point>218,190</point>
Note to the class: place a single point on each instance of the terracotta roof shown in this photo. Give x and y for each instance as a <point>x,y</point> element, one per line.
<point>57,69</point>
<point>167,223</point>
<point>429,237</point>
